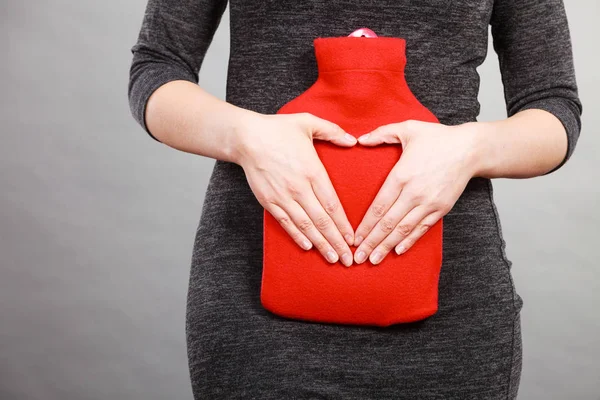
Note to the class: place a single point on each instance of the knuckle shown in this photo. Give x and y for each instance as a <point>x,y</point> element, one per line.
<point>339,246</point>
<point>386,247</point>
<point>293,188</point>
<point>378,210</point>
<point>415,197</point>
<point>403,229</point>
<point>305,225</point>
<point>283,221</point>
<point>424,227</point>
<point>297,236</point>
<point>445,206</point>
<point>271,200</point>
<point>369,244</point>
<point>441,205</point>
<point>311,175</point>
<point>322,222</point>
<point>321,246</point>
<point>332,206</point>
<point>266,201</point>
<point>401,178</point>
<point>386,225</point>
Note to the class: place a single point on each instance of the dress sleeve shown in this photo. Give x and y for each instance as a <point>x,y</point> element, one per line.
<point>172,43</point>
<point>532,40</point>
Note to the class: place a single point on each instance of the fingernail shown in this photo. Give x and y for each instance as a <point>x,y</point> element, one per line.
<point>361,256</point>
<point>348,238</point>
<point>331,256</point>
<point>358,240</point>
<point>347,259</point>
<point>400,249</point>
<point>364,137</point>
<point>349,137</point>
<point>376,257</point>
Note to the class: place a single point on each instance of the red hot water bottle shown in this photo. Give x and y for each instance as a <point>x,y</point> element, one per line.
<point>360,86</point>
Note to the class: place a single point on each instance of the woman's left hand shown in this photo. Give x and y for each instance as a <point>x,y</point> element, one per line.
<point>436,164</point>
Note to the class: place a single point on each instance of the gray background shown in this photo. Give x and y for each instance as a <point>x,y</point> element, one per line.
<point>97,220</point>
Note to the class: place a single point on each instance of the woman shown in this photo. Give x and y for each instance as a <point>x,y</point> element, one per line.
<point>471,348</point>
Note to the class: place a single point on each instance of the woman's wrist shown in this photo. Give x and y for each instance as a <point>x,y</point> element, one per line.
<point>528,144</point>
<point>479,152</point>
<point>186,117</point>
<point>239,142</point>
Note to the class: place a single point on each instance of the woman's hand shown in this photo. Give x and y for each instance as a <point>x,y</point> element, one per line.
<point>288,179</point>
<point>434,169</point>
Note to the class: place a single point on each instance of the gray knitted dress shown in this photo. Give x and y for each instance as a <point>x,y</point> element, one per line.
<point>471,348</point>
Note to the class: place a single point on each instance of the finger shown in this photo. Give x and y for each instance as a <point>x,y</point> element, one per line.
<point>327,196</point>
<point>386,197</point>
<point>323,222</point>
<point>389,133</point>
<point>288,225</point>
<point>420,229</point>
<point>413,224</point>
<point>388,225</point>
<point>399,132</point>
<point>305,224</point>
<point>323,129</point>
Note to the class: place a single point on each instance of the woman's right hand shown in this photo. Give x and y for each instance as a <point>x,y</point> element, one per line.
<point>288,179</point>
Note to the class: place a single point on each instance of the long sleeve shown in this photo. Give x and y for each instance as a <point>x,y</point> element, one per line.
<point>533,43</point>
<point>171,45</point>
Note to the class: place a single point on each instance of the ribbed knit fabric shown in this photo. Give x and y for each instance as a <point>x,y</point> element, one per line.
<point>471,347</point>
<point>360,86</point>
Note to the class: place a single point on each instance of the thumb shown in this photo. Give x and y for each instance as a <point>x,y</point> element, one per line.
<point>323,129</point>
<point>390,133</point>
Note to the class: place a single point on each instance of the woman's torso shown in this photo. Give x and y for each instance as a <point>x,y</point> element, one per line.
<point>271,62</point>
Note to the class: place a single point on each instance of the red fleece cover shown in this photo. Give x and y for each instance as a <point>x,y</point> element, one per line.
<point>360,86</point>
